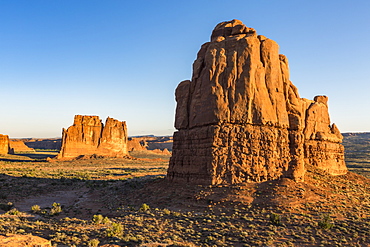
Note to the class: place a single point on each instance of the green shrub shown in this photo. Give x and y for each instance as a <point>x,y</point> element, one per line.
<point>56,209</point>
<point>35,209</point>
<point>114,230</point>
<point>166,211</point>
<point>100,219</point>
<point>13,211</point>
<point>275,219</point>
<point>145,207</point>
<point>326,222</point>
<point>93,243</point>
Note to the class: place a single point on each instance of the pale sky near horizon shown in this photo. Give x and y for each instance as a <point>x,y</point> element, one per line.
<point>124,59</point>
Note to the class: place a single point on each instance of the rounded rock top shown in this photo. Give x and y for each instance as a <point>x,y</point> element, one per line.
<point>231,28</point>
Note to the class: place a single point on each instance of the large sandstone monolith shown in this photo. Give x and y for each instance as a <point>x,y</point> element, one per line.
<point>4,145</point>
<point>240,119</point>
<point>88,136</point>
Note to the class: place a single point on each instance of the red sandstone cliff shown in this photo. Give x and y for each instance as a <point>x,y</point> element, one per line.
<point>241,119</point>
<point>88,136</point>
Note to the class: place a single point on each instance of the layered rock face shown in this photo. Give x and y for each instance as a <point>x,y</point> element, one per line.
<point>4,145</point>
<point>240,119</point>
<point>88,136</point>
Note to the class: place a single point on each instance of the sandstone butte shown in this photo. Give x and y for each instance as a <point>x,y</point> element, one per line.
<point>240,118</point>
<point>4,145</point>
<point>88,136</point>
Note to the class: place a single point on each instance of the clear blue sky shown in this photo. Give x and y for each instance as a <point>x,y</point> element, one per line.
<point>124,59</point>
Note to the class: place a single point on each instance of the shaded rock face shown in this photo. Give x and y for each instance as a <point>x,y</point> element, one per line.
<point>53,143</point>
<point>240,119</point>
<point>4,145</point>
<point>88,136</point>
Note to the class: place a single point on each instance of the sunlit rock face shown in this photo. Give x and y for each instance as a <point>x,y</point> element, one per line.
<point>240,118</point>
<point>4,145</point>
<point>89,136</point>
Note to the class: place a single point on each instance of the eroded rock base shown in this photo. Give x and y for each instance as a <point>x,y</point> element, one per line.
<point>230,153</point>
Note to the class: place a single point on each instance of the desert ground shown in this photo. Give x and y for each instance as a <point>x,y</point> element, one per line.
<point>128,202</point>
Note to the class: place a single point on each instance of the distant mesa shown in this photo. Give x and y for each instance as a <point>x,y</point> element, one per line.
<point>4,145</point>
<point>136,144</point>
<point>88,136</point>
<point>240,118</point>
<point>19,146</point>
<point>51,143</point>
<point>150,142</point>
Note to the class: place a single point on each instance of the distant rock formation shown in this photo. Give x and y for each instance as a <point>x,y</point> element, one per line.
<point>51,143</point>
<point>135,144</point>
<point>240,119</point>
<point>4,145</point>
<point>88,136</point>
<point>161,143</point>
<point>150,143</point>
<point>19,146</point>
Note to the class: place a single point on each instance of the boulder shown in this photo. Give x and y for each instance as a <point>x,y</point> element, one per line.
<point>240,118</point>
<point>89,137</point>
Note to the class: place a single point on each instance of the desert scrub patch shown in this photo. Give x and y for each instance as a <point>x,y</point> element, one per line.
<point>144,207</point>
<point>13,211</point>
<point>55,209</point>
<point>100,219</point>
<point>114,230</point>
<point>326,222</point>
<point>93,243</point>
<point>275,219</point>
<point>35,209</point>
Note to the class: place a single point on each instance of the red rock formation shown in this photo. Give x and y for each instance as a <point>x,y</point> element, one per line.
<point>88,136</point>
<point>150,143</point>
<point>241,119</point>
<point>19,146</point>
<point>4,145</point>
<point>136,144</point>
<point>20,240</point>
